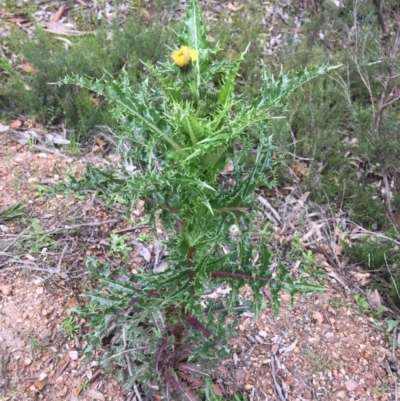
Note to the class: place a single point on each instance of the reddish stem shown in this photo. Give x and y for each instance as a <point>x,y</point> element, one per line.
<point>239,275</point>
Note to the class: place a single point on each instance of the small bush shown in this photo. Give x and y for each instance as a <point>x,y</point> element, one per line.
<point>371,254</point>
<point>333,119</point>
<point>110,49</point>
<point>181,131</point>
<point>378,255</point>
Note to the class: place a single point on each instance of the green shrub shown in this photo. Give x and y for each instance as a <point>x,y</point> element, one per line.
<point>333,119</point>
<point>111,48</point>
<point>394,292</point>
<point>371,254</point>
<point>378,255</point>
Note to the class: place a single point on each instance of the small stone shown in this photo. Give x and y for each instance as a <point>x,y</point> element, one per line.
<point>94,394</point>
<point>74,355</point>
<point>4,229</point>
<point>259,339</point>
<point>318,317</point>
<point>285,297</point>
<point>42,376</point>
<point>341,394</point>
<point>6,289</point>
<point>351,385</point>
<point>39,290</point>
<point>262,333</point>
<point>248,387</point>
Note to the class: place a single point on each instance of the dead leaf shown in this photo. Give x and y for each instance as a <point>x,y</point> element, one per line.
<point>338,249</point>
<point>228,168</point>
<point>267,293</point>
<point>56,139</point>
<point>360,277</point>
<point>143,251</point>
<point>62,392</point>
<point>59,28</point>
<point>374,298</point>
<point>217,389</point>
<point>139,209</point>
<point>89,374</point>
<point>14,124</point>
<point>161,267</point>
<point>27,136</point>
<point>335,276</point>
<point>300,169</point>
<point>76,390</point>
<point>39,385</point>
<point>56,17</point>
<point>289,348</point>
<point>95,101</point>
<point>72,302</point>
<point>274,348</point>
<point>99,141</point>
<point>4,128</point>
<point>27,67</point>
<point>96,395</point>
<point>17,20</point>
<point>234,8</point>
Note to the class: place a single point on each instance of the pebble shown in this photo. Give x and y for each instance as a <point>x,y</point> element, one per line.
<point>74,355</point>
<point>39,290</point>
<point>6,289</point>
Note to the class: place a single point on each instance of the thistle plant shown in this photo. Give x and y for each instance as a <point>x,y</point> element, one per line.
<point>182,130</point>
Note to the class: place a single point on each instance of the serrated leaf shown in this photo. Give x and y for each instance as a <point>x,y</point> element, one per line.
<point>275,92</point>
<point>192,127</point>
<point>227,88</point>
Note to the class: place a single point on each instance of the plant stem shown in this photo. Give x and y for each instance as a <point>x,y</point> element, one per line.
<point>239,275</point>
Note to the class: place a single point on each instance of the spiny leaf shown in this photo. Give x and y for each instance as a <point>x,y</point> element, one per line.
<point>275,92</point>
<point>192,127</point>
<point>226,89</point>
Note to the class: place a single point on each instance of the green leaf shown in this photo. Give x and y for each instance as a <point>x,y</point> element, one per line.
<point>391,324</point>
<point>191,127</point>
<point>227,88</point>
<point>275,92</point>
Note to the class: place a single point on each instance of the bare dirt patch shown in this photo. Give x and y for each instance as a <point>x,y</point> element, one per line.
<point>322,349</point>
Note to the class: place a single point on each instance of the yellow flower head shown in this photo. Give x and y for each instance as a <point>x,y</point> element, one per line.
<point>184,56</point>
